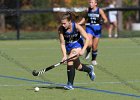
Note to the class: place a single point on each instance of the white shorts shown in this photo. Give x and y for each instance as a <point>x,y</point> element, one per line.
<point>112,18</point>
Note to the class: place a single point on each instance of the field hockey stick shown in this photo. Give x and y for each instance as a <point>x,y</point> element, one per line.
<point>37,73</point>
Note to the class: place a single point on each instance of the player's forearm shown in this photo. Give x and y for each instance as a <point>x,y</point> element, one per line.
<point>85,44</point>
<point>63,49</point>
<point>105,20</point>
<point>82,21</point>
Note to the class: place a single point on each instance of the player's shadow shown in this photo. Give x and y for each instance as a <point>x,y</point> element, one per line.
<point>53,87</point>
<point>48,87</point>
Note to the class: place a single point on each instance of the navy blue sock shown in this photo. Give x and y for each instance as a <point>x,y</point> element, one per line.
<point>94,54</point>
<point>70,73</point>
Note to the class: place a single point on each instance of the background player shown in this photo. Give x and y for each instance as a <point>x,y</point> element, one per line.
<point>112,16</point>
<point>93,20</point>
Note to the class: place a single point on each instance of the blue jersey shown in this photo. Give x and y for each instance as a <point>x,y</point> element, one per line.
<point>93,26</point>
<point>72,39</point>
<point>93,16</point>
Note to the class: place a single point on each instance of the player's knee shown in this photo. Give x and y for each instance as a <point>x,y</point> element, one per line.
<point>90,44</point>
<point>79,67</point>
<point>94,47</point>
<point>70,62</point>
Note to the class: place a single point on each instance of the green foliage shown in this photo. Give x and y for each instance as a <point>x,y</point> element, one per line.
<point>37,21</point>
<point>48,20</point>
<point>78,3</point>
<point>127,16</point>
<point>41,4</point>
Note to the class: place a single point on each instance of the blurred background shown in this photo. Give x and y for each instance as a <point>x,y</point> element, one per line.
<point>37,19</point>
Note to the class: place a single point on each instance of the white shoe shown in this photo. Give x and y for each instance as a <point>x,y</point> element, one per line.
<point>110,36</point>
<point>116,35</point>
<point>68,86</point>
<point>94,63</point>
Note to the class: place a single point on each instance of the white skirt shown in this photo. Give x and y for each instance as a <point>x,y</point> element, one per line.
<point>112,18</point>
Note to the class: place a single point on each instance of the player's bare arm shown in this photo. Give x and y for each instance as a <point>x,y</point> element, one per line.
<point>62,44</point>
<point>103,16</point>
<point>84,34</point>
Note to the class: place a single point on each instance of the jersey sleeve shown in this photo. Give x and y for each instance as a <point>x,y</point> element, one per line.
<point>60,29</point>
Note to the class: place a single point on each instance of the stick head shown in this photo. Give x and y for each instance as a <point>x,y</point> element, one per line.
<point>35,73</point>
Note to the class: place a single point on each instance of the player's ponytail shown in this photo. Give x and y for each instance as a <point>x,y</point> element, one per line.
<point>70,16</point>
<point>74,16</point>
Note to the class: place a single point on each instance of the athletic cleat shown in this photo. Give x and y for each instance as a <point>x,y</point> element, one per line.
<point>116,35</point>
<point>91,73</point>
<point>69,87</point>
<point>110,36</point>
<point>94,63</point>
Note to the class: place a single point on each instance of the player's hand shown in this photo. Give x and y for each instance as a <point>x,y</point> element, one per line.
<point>64,58</point>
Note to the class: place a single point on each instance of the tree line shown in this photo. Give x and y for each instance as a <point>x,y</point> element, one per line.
<point>45,21</point>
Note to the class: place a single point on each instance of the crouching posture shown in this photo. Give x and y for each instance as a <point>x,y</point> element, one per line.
<point>71,41</point>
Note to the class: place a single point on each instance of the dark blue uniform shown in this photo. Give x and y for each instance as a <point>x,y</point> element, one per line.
<point>93,26</point>
<point>72,39</point>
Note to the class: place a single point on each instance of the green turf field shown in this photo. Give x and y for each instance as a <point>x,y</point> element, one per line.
<point>117,75</point>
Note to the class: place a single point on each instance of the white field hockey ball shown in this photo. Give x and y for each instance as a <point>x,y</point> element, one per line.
<point>36,89</point>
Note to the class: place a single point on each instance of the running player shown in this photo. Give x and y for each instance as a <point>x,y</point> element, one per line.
<point>93,20</point>
<point>72,44</point>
